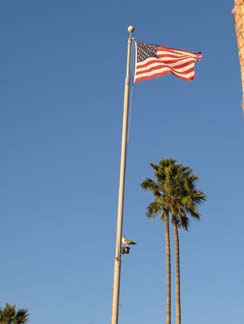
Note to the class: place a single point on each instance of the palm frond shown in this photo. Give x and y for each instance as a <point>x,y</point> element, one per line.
<point>175,192</point>
<point>9,312</point>
<point>9,315</point>
<point>22,316</point>
<point>153,209</point>
<point>149,184</point>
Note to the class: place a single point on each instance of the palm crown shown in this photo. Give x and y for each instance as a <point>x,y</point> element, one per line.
<point>174,192</point>
<point>9,315</point>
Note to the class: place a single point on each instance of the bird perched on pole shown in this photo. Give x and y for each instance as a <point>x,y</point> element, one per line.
<point>127,241</point>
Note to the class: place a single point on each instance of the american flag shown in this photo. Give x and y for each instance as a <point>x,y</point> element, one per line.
<point>156,60</point>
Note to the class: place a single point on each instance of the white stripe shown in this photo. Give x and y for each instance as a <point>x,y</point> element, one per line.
<point>169,66</point>
<point>175,64</point>
<point>177,53</point>
<point>147,60</point>
<point>188,61</point>
<point>160,70</point>
<point>177,61</point>
<point>174,59</point>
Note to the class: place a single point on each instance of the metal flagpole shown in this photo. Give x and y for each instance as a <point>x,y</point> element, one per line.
<point>117,261</point>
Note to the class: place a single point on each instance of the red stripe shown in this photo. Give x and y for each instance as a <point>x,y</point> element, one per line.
<point>161,74</point>
<point>176,73</point>
<point>170,70</point>
<point>178,56</point>
<point>177,50</point>
<point>148,63</point>
<point>161,65</point>
<point>182,57</point>
<point>179,65</point>
<point>151,61</point>
<point>166,58</point>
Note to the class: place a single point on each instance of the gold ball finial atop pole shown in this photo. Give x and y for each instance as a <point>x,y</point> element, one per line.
<point>131,28</point>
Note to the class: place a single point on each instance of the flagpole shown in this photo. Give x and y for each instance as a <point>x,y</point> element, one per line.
<point>117,261</point>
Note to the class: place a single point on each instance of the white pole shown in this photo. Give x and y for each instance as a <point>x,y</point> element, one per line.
<point>117,261</point>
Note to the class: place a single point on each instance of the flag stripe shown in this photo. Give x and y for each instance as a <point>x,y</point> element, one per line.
<point>161,50</point>
<point>148,77</point>
<point>153,61</point>
<point>155,67</point>
<point>188,75</point>
<point>152,71</point>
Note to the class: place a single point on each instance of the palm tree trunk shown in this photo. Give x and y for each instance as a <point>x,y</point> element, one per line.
<point>177,275</point>
<point>168,271</point>
<point>238,20</point>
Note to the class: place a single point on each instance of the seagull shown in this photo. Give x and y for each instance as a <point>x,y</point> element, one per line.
<point>127,241</point>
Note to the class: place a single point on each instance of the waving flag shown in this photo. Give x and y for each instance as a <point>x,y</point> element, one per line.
<point>156,60</point>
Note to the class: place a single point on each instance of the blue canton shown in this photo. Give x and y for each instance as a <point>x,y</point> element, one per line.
<point>146,50</point>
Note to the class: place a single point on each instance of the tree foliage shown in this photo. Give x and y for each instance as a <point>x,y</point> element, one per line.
<point>174,192</point>
<point>9,315</point>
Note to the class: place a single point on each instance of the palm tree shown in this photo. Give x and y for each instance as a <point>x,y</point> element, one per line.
<point>189,197</point>
<point>175,195</point>
<point>161,206</point>
<point>9,315</point>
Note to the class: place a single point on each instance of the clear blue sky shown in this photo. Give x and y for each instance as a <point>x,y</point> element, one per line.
<point>61,84</point>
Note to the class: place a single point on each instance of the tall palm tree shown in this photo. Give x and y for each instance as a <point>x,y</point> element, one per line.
<point>175,195</point>
<point>161,206</point>
<point>189,197</point>
<point>9,315</point>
